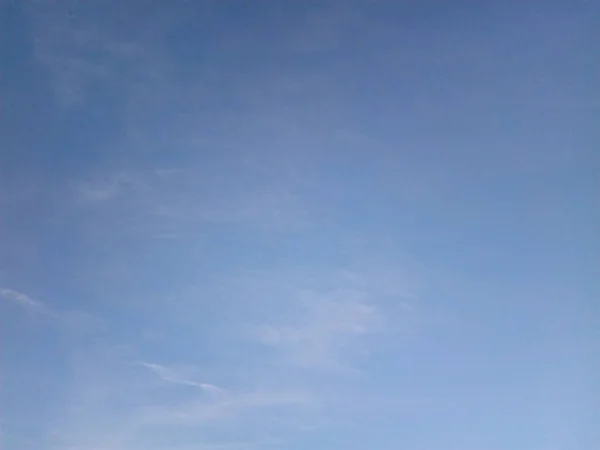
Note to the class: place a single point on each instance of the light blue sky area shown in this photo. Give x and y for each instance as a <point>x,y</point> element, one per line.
<point>298,225</point>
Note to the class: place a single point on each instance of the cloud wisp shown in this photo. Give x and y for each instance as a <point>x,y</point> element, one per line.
<point>25,301</point>
<point>174,376</point>
<point>167,202</point>
<point>113,404</point>
<point>330,330</point>
<point>68,320</point>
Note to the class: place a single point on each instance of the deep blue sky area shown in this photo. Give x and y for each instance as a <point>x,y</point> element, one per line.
<point>242,225</point>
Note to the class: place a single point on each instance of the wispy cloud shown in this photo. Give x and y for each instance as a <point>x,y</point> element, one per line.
<point>327,333</point>
<point>25,301</point>
<point>105,189</point>
<point>66,37</point>
<point>72,320</point>
<point>112,405</point>
<point>221,404</point>
<point>175,376</point>
<point>165,202</point>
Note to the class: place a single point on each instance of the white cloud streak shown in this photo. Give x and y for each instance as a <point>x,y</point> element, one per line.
<point>174,376</point>
<point>25,301</point>
<point>71,320</point>
<point>114,407</point>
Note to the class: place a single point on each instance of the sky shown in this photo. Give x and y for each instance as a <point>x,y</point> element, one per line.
<point>334,224</point>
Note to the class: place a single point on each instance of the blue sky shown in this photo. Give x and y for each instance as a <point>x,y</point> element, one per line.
<point>299,225</point>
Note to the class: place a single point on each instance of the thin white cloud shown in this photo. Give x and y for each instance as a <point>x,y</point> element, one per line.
<point>175,376</point>
<point>72,320</point>
<point>24,301</point>
<point>221,405</point>
<point>118,405</point>
<point>328,332</point>
<point>110,406</point>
